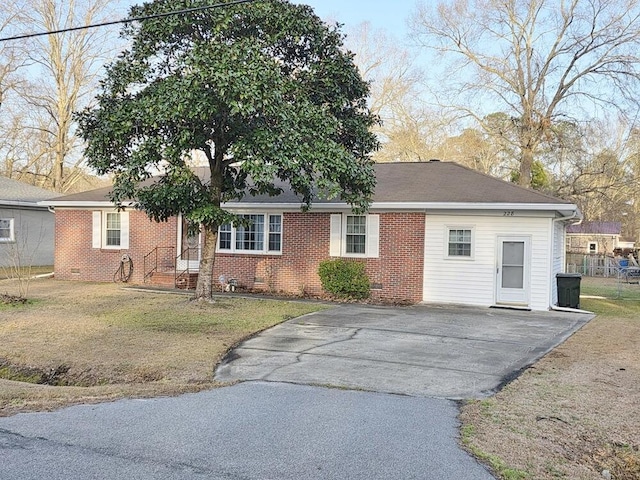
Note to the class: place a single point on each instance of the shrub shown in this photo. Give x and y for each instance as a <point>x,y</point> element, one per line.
<point>344,278</point>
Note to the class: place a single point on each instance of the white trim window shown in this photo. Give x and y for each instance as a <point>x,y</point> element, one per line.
<point>7,234</point>
<point>459,242</point>
<point>261,234</point>
<point>110,230</point>
<point>355,236</point>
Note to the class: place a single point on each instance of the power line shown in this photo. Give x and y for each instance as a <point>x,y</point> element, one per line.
<point>125,20</point>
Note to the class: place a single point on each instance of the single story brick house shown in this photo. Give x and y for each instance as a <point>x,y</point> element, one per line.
<point>26,228</point>
<point>435,232</point>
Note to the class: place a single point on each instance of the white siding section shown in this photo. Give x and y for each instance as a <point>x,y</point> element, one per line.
<point>473,281</point>
<point>558,261</point>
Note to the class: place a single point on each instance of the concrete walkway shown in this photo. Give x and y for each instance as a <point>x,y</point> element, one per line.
<point>426,350</point>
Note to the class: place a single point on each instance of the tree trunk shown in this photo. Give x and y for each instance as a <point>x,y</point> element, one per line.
<point>526,163</point>
<point>204,287</point>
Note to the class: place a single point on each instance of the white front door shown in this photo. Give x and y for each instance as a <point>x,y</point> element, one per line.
<point>513,270</point>
<point>188,249</point>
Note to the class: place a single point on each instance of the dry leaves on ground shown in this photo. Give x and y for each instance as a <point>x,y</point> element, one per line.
<point>574,413</point>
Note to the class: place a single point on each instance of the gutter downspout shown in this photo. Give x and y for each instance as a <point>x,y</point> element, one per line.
<point>574,216</point>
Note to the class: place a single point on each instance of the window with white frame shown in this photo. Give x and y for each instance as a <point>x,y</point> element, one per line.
<point>275,233</point>
<point>460,242</point>
<point>354,235</point>
<point>224,236</point>
<point>110,230</point>
<point>6,230</point>
<point>258,233</point>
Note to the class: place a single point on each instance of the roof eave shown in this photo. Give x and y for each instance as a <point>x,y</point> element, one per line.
<point>22,203</point>
<point>417,206</point>
<point>82,204</point>
<point>563,208</point>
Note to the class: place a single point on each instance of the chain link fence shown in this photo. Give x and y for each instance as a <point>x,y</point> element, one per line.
<point>606,276</point>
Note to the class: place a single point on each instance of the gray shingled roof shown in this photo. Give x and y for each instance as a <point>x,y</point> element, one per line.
<point>601,228</point>
<point>424,182</point>
<point>13,191</point>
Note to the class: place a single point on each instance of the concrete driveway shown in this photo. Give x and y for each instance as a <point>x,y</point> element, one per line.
<point>437,351</point>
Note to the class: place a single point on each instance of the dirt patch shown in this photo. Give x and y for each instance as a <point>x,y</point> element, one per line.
<point>575,413</point>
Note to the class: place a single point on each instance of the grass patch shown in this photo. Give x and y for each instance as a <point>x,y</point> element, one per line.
<point>575,412</point>
<point>119,342</point>
<point>496,464</point>
<point>610,287</point>
<point>10,272</point>
<point>622,461</point>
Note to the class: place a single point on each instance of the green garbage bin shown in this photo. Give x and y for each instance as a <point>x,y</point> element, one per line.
<point>568,289</point>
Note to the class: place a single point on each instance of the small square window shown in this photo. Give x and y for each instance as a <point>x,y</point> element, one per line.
<point>459,244</point>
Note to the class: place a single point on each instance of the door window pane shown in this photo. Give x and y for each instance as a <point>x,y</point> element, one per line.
<point>512,277</point>
<point>513,264</point>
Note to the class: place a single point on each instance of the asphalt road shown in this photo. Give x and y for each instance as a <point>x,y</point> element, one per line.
<point>248,431</point>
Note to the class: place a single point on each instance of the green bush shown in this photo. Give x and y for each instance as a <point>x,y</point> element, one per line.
<point>344,278</point>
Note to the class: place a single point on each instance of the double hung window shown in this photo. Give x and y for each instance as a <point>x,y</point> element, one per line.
<point>6,230</point>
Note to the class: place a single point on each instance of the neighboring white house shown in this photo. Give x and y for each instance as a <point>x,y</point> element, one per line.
<point>26,228</point>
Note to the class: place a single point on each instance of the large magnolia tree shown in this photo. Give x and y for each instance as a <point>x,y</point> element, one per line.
<point>262,90</point>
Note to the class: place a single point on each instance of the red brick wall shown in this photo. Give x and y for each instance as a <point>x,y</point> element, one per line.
<point>305,244</point>
<point>396,275</point>
<point>75,259</point>
<point>400,268</point>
